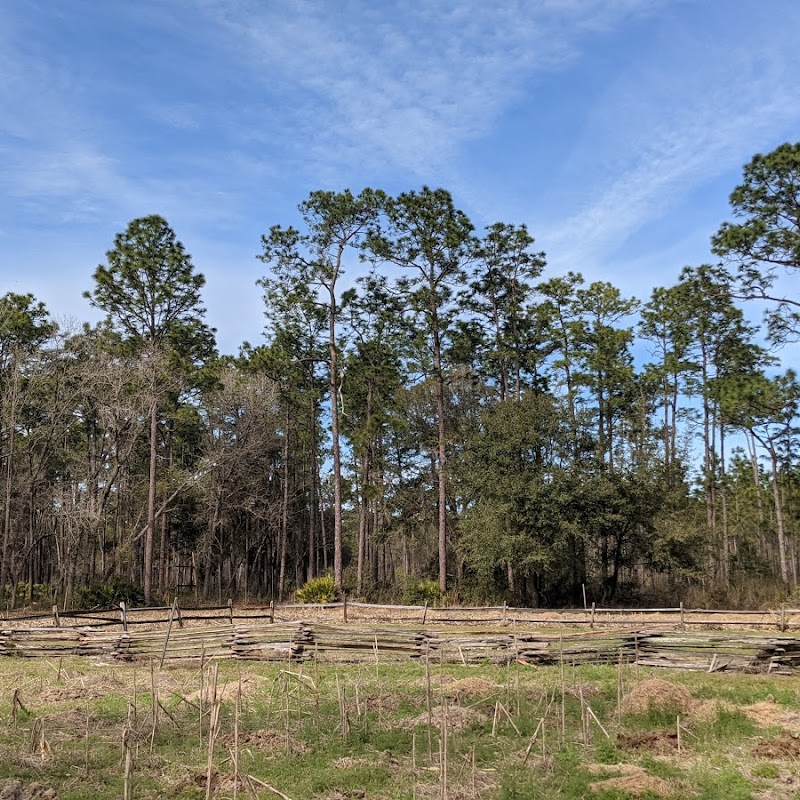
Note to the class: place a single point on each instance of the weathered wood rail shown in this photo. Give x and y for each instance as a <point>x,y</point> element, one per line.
<point>288,641</point>
<point>780,618</point>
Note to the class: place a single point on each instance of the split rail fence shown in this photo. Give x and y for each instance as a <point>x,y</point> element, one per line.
<point>350,631</point>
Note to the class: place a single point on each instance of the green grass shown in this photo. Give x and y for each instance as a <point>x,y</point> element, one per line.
<point>351,731</point>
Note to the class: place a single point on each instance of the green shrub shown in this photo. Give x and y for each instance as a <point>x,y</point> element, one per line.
<point>318,590</point>
<point>41,592</point>
<point>424,591</point>
<point>107,595</point>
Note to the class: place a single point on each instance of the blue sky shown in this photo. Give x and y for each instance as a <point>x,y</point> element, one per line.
<point>614,129</point>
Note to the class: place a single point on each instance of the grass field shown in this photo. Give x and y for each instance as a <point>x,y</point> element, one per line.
<point>393,730</point>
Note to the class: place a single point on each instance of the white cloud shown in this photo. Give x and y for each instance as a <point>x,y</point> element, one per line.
<point>407,85</point>
<point>684,117</point>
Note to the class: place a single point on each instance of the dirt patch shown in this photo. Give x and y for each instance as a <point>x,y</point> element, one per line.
<point>784,746</point>
<point>374,702</point>
<point>12,789</point>
<point>635,784</point>
<point>269,741</point>
<point>220,782</point>
<point>657,694</point>
<point>659,742</point>
<point>769,713</point>
<point>458,718</point>
<point>59,694</point>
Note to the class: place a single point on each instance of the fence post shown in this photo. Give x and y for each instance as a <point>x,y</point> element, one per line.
<point>425,612</point>
<point>56,620</point>
<point>783,617</point>
<point>230,610</point>
<point>178,612</point>
<point>505,611</point>
<point>166,638</point>
<point>591,624</point>
<point>344,607</point>
<point>683,620</point>
<point>123,616</point>
<point>271,611</point>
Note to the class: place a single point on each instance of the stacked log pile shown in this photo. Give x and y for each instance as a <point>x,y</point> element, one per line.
<point>348,642</point>
<point>194,643</point>
<point>279,642</point>
<point>47,642</point>
<point>717,652</point>
<point>576,648</point>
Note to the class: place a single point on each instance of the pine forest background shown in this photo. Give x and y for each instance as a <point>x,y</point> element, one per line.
<point>457,424</point>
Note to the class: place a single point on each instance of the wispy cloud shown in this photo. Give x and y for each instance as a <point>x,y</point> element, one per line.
<point>407,85</point>
<point>682,120</point>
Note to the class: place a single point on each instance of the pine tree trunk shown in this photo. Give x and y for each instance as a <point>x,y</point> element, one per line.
<point>151,507</point>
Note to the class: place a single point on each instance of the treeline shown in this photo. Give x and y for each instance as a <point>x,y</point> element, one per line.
<point>454,421</point>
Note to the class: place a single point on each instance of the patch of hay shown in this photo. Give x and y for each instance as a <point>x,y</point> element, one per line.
<point>13,789</point>
<point>659,695</point>
<point>635,784</point>
<point>385,758</point>
<point>769,714</point>
<point>618,769</point>
<point>784,747</point>
<point>469,688</point>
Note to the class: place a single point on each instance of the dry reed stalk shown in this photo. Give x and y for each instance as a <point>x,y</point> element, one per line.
<point>299,681</point>
<point>344,721</point>
<point>269,788</point>
<point>16,705</point>
<point>585,733</point>
<point>154,696</point>
<point>202,691</point>
<point>235,753</point>
<point>532,742</point>
<point>562,730</point>
<point>429,706</point>
<point>414,766</point>
<point>213,731</point>
<point>127,761</point>
<point>599,724</point>
<point>86,742</point>
<point>287,721</point>
<point>443,751</point>
<point>509,718</point>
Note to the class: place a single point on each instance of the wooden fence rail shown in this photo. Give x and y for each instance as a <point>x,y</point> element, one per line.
<point>780,618</point>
